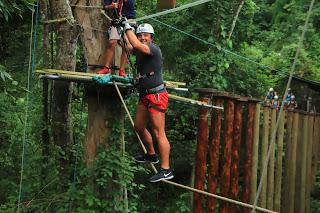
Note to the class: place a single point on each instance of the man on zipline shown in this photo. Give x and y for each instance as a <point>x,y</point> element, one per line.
<point>126,9</point>
<point>153,98</point>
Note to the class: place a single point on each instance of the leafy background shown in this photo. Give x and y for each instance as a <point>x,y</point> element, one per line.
<point>266,32</point>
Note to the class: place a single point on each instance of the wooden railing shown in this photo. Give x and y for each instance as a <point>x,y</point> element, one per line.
<point>232,151</point>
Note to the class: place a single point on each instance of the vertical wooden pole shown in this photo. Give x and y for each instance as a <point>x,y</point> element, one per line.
<point>270,188</point>
<point>255,155</point>
<point>228,137</point>
<point>288,153</point>
<point>278,178</point>
<point>202,142</point>
<point>214,147</point>
<point>309,160</point>
<point>234,173</point>
<point>298,163</point>
<point>304,164</point>
<point>248,154</point>
<point>316,147</point>
<point>264,150</point>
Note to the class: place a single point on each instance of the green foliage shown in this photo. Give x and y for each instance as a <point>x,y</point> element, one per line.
<point>10,7</point>
<point>266,32</point>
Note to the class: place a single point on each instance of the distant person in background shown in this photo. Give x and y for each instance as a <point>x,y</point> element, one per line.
<point>288,98</point>
<point>126,10</point>
<point>275,102</point>
<point>293,103</point>
<point>269,97</point>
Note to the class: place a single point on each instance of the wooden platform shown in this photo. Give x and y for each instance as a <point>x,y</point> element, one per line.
<point>108,89</point>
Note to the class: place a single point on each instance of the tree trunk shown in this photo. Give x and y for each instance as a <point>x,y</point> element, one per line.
<point>45,111</point>
<point>100,109</point>
<point>66,41</point>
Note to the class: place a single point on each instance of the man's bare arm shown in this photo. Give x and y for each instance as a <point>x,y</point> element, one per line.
<point>133,40</point>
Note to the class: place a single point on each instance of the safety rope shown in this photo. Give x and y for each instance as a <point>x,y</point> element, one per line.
<point>31,66</point>
<point>244,58</point>
<point>177,184</point>
<point>172,10</point>
<point>273,137</point>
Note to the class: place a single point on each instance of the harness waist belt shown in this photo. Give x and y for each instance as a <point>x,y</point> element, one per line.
<point>154,90</point>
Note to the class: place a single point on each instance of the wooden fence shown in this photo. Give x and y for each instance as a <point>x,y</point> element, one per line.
<point>232,147</point>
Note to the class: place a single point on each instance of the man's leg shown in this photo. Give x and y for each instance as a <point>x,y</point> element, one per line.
<point>110,51</point>
<point>113,40</point>
<point>140,124</point>
<point>123,62</point>
<point>158,127</point>
<point>108,56</point>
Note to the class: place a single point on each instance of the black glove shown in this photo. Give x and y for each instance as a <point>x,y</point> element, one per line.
<point>115,22</point>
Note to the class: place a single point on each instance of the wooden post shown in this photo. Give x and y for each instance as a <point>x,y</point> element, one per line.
<point>228,137</point>
<point>202,142</point>
<point>316,148</point>
<point>303,171</point>
<point>298,164</point>
<point>309,160</point>
<point>248,153</point>
<point>270,188</point>
<point>234,172</point>
<point>214,147</point>
<point>288,198</point>
<point>265,142</point>
<point>278,178</point>
<point>255,155</point>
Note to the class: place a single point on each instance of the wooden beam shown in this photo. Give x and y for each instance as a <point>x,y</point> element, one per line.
<point>201,156</point>
<point>264,152</point>
<point>278,175</point>
<point>214,153</point>
<point>255,154</point>
<point>270,190</point>
<point>227,145</point>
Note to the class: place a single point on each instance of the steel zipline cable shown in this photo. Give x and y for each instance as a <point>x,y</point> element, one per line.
<point>152,17</point>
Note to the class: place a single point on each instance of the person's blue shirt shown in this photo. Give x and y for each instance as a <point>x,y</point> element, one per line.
<point>288,98</point>
<point>128,9</point>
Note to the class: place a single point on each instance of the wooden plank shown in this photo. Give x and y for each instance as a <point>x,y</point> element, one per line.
<point>175,83</point>
<point>288,154</point>
<point>316,148</point>
<point>201,156</point>
<point>53,71</point>
<point>69,76</point>
<point>264,150</point>
<point>304,164</point>
<point>270,188</point>
<point>214,153</point>
<point>255,154</point>
<point>191,101</point>
<point>278,176</point>
<point>228,138</point>
<point>234,171</point>
<point>309,161</point>
<point>298,164</point>
<point>248,155</point>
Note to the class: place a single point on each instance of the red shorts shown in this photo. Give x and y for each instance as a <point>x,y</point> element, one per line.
<point>155,102</point>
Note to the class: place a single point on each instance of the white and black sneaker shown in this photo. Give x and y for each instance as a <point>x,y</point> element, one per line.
<point>163,174</point>
<point>146,158</point>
